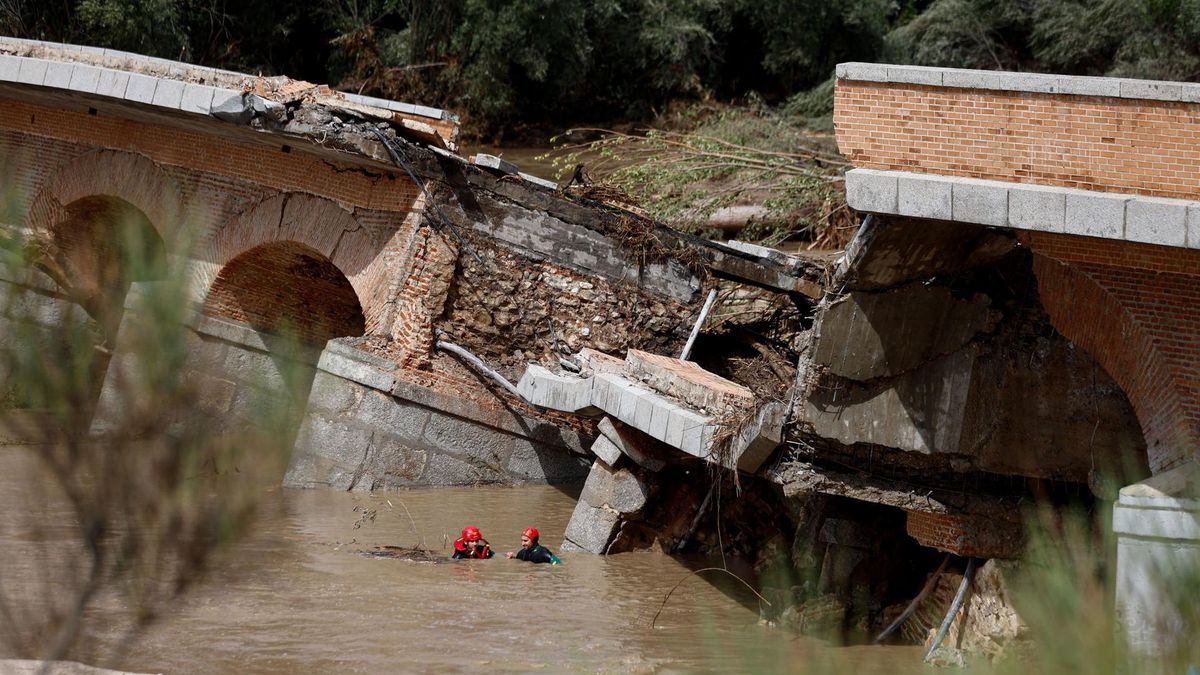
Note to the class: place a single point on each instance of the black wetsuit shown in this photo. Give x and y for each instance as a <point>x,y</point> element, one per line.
<point>464,552</point>
<point>537,554</point>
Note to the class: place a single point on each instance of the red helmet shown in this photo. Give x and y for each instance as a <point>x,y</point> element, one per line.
<point>471,533</point>
<point>531,532</point>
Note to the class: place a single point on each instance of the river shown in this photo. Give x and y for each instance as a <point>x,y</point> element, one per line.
<point>298,595</point>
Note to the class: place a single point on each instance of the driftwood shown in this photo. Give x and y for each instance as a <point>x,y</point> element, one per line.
<point>912,606</point>
<point>696,520</point>
<point>959,597</point>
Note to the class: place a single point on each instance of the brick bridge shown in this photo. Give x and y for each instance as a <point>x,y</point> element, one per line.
<point>1099,178</point>
<point>350,220</point>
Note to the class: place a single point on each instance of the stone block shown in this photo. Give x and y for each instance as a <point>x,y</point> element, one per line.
<point>395,416</point>
<point>659,417</point>
<point>356,371</point>
<point>915,75</point>
<point>971,79</point>
<point>683,421</point>
<point>230,106</point>
<point>58,74</point>
<point>333,395</point>
<point>981,202</point>
<point>113,83</point>
<point>326,453</point>
<point>644,413</point>
<point>590,529</point>
<point>1087,86</point>
<point>494,163</point>
<point>685,381</point>
<point>1156,221</point>
<point>1032,207</point>
<point>168,94</point>
<point>872,191</point>
<point>1151,89</point>
<point>1189,91</point>
<point>633,443</point>
<point>1193,226</point>
<point>197,98</point>
<point>1096,215</point>
<point>140,88</point>
<point>443,470</point>
<point>535,463</point>
<point>606,450</point>
<point>85,78</point>
<point>33,71</point>
<point>924,196</point>
<point>10,68</point>
<point>460,437</point>
<point>869,72</point>
<point>545,389</point>
<point>620,490</point>
<point>1043,84</point>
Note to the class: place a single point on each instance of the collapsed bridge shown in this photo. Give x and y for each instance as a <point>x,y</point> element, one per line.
<point>1014,320</point>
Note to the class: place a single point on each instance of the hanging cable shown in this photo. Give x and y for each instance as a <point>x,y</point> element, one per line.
<point>397,155</point>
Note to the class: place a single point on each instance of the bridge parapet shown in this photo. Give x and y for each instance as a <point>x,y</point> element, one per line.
<point>1092,133</point>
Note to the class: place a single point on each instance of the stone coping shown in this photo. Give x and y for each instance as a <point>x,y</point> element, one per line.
<point>1023,206</point>
<point>1039,83</point>
<point>64,66</point>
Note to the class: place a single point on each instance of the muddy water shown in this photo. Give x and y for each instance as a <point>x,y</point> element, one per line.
<point>298,596</point>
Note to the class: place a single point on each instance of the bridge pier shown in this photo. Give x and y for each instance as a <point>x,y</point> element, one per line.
<point>1157,526</point>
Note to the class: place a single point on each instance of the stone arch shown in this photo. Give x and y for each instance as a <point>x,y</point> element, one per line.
<point>323,229</point>
<point>285,286</point>
<point>1090,314</point>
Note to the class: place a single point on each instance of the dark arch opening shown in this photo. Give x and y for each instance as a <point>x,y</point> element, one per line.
<point>287,288</point>
<point>102,246</point>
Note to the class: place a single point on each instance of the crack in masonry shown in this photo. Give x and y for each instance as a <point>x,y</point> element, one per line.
<point>362,463</point>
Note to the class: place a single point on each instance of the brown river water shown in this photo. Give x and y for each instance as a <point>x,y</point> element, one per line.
<point>297,595</point>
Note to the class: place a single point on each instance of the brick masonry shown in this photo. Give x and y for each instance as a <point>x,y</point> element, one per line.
<point>1098,143</point>
<point>1133,306</point>
<point>967,535</point>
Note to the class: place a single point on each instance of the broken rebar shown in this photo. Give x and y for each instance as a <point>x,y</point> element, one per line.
<point>708,302</point>
<point>954,606</point>
<point>912,606</point>
<point>479,365</point>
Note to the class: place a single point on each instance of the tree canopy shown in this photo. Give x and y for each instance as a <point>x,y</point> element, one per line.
<point>503,61</point>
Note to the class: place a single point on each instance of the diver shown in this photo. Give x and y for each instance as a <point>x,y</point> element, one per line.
<point>471,545</point>
<point>532,551</point>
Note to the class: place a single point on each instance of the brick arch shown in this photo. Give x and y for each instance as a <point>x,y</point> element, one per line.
<point>316,223</point>
<point>1090,305</point>
<point>283,286</point>
<point>130,177</point>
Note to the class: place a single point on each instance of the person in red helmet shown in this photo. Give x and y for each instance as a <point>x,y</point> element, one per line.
<point>471,545</point>
<point>532,551</point>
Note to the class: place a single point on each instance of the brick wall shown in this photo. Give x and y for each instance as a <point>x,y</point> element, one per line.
<point>967,535</point>
<point>1090,142</point>
<point>1136,309</point>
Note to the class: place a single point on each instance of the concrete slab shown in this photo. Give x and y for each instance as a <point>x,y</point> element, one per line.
<point>112,83</point>
<point>58,74</point>
<point>1151,89</point>
<point>494,163</point>
<point>197,98</point>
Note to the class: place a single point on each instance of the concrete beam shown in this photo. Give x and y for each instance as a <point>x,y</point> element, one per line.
<point>1021,206</point>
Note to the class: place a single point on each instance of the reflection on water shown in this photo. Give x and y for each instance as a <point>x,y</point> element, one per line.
<point>298,596</point>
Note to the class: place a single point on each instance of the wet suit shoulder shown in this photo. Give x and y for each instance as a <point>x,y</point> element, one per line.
<point>538,554</point>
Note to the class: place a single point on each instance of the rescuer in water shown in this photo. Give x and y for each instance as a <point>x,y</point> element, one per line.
<point>532,551</point>
<point>471,545</point>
